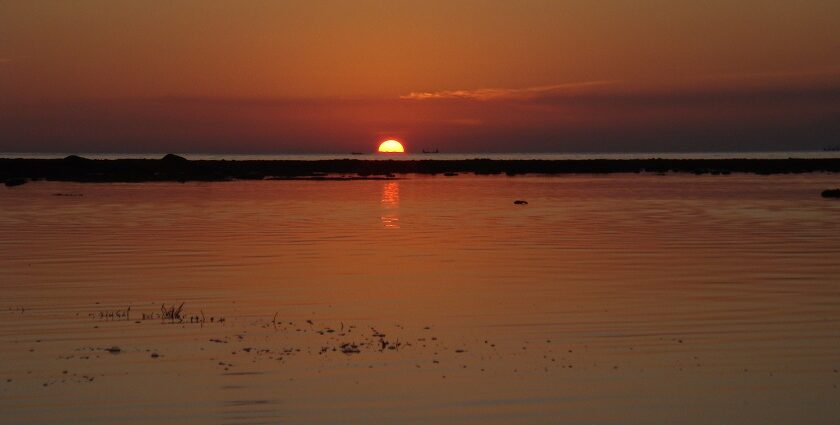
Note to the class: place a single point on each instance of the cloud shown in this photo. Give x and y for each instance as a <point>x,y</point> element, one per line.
<point>756,92</point>
<point>750,113</point>
<point>503,94</point>
<point>789,94</point>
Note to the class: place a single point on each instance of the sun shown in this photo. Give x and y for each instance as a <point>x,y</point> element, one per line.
<point>391,146</point>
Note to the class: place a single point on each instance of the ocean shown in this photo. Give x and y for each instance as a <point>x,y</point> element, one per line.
<point>618,298</point>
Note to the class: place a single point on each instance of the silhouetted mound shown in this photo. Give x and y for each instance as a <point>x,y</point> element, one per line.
<point>171,157</point>
<point>831,193</point>
<point>15,182</point>
<point>520,202</point>
<point>75,158</point>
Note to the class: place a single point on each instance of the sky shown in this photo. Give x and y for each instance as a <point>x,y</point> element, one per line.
<point>460,76</point>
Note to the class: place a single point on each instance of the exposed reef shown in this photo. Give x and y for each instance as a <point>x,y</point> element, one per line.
<point>176,168</point>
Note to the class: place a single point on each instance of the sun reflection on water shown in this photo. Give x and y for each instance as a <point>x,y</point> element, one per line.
<point>390,205</point>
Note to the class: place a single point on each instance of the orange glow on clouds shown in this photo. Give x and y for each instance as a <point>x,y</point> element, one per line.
<point>338,76</point>
<point>391,146</point>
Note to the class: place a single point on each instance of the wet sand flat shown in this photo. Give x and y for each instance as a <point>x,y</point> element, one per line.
<point>620,298</point>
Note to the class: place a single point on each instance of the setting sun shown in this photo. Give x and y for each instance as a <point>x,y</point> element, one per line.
<point>563,195</point>
<point>391,146</point>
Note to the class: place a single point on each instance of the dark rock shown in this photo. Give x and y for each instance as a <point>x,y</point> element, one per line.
<point>75,158</point>
<point>114,350</point>
<point>171,157</point>
<point>176,168</point>
<point>828,193</point>
<point>520,202</point>
<point>14,181</point>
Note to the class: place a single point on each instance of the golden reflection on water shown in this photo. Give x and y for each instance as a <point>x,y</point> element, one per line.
<point>390,205</point>
<point>606,299</point>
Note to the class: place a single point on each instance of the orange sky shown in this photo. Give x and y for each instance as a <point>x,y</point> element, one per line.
<point>328,76</point>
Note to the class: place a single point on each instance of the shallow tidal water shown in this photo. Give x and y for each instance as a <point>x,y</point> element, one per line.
<point>424,299</point>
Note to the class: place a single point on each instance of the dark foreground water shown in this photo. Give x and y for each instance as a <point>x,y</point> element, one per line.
<point>605,299</point>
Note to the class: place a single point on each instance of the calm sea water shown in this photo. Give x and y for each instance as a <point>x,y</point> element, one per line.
<point>605,299</point>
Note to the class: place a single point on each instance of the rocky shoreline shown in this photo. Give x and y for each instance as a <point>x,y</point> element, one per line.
<point>18,171</point>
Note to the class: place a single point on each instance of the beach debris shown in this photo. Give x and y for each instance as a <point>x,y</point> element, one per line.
<point>172,313</point>
<point>349,348</point>
<point>112,314</point>
<point>326,338</point>
<point>520,202</point>
<point>828,193</point>
<point>385,344</point>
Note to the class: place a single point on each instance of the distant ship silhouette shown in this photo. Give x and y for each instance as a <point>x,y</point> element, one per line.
<point>434,151</point>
